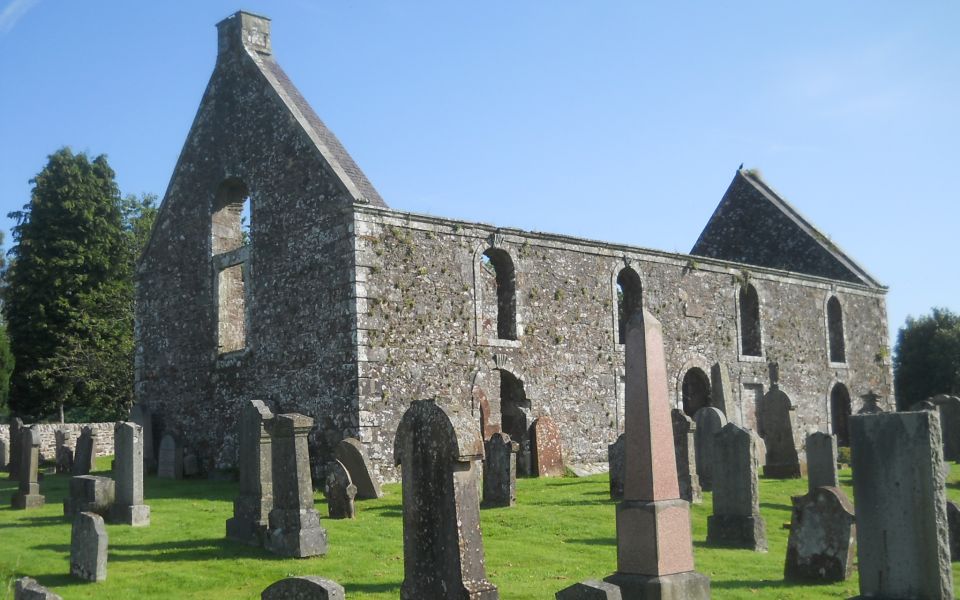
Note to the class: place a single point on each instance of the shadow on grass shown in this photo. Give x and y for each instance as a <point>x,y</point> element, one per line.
<point>372,588</point>
<point>766,584</point>
<point>189,550</point>
<point>593,541</point>
<point>776,506</point>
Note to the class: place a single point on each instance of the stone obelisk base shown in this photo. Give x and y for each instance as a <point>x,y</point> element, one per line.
<point>296,533</point>
<point>735,531</point>
<point>26,501</point>
<point>689,585</point>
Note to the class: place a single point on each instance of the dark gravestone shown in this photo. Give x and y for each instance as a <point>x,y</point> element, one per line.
<point>736,520</point>
<point>547,449</point>
<point>903,547</point>
<point>170,459</point>
<point>777,417</point>
<point>4,455</point>
<point>304,588</point>
<point>352,454</point>
<point>822,533</point>
<point>500,471</point>
<point>28,494</point>
<point>16,429</point>
<point>128,507</point>
<point>89,493</point>
<point>709,421</point>
<point>142,416</point>
<point>29,589</point>
<point>340,492</point>
<point>721,389</point>
<point>684,431</point>
<point>294,528</point>
<point>64,453</point>
<point>88,547</point>
<point>615,460</point>
<point>821,460</point>
<point>191,464</point>
<point>85,455</point>
<point>590,589</point>
<point>251,509</point>
<point>953,524</point>
<point>437,450</point>
<point>950,424</point>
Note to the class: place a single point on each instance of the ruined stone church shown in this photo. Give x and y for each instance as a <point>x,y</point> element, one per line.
<point>337,306</point>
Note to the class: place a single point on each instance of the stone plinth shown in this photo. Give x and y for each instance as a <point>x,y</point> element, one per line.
<point>88,547</point>
<point>340,492</point>
<point>590,590</point>
<point>547,449</point>
<point>304,588</point>
<point>736,520</point>
<point>822,533</point>
<point>28,493</point>
<point>684,431</point>
<point>128,507</point>
<point>89,493</point>
<point>354,457</point>
<point>500,471</point>
<point>821,460</point>
<point>709,421</point>
<point>251,509</point>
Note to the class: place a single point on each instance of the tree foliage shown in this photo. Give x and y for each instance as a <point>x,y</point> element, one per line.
<point>926,359</point>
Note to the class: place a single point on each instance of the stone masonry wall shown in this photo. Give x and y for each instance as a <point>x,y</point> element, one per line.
<point>48,443</point>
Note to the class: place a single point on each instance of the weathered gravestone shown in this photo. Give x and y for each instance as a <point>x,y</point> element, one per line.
<point>437,450</point>
<point>736,520</point>
<point>871,404</point>
<point>294,528</point>
<point>85,455</point>
<point>547,449</point>
<point>721,390</point>
<point>340,492</point>
<point>89,493</point>
<point>822,533</point>
<point>191,463</point>
<point>654,546</point>
<point>4,455</point>
<point>16,429</point>
<point>170,459</point>
<point>949,424</point>
<point>953,524</point>
<point>88,547</point>
<point>684,431</point>
<point>306,587</point>
<point>64,453</point>
<point>142,416</point>
<point>777,417</point>
<point>28,494</point>
<point>251,509</point>
<point>354,457</point>
<point>590,589</point>
<point>500,471</point>
<point>615,460</point>
<point>821,460</point>
<point>28,589</point>
<point>709,421</point>
<point>128,507</point>
<point>903,548</point>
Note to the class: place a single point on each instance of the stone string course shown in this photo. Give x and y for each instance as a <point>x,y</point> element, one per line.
<point>48,442</point>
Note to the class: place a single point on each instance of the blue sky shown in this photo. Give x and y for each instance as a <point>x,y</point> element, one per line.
<point>619,121</point>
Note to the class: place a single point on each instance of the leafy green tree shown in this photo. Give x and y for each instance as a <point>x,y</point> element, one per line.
<point>926,358</point>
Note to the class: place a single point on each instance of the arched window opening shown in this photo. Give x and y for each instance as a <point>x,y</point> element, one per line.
<point>515,417</point>
<point>498,266</point>
<point>838,351</point>
<point>629,300</point>
<point>750,344</point>
<point>840,411</point>
<point>695,391</point>
<point>231,218</point>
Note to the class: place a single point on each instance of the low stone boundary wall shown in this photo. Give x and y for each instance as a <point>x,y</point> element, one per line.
<point>48,441</point>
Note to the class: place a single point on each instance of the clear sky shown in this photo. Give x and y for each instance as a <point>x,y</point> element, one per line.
<point>619,121</point>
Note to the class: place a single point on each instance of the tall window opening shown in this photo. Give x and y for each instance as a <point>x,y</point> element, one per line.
<point>229,232</point>
<point>232,310</point>
<point>695,391</point>
<point>840,411</point>
<point>629,300</point>
<point>499,267</point>
<point>750,344</point>
<point>231,219</point>
<point>838,351</point>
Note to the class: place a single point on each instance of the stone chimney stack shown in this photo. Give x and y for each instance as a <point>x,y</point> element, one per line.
<point>243,29</point>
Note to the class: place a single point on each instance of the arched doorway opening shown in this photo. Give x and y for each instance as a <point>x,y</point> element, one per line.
<point>515,417</point>
<point>695,391</point>
<point>840,411</point>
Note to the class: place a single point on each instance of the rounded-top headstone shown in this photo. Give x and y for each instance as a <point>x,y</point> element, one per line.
<point>304,588</point>
<point>709,421</point>
<point>351,453</point>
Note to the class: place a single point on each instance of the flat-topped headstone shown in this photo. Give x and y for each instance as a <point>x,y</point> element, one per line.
<point>903,549</point>
<point>191,463</point>
<point>736,520</point>
<point>305,587</point>
<point>340,492</point>
<point>4,455</point>
<point>949,424</point>
<point>142,416</point>
<point>615,460</point>
<point>16,428</point>
<point>547,448</point>
<point>28,492</point>
<point>85,455</point>
<point>88,547</point>
<point>709,421</point>
<point>28,589</point>
<point>64,453</point>
<point>170,459</point>
<point>721,390</point>
<point>294,527</point>
<point>684,432</point>
<point>251,509</point>
<point>590,589</point>
<point>953,525</point>
<point>128,507</point>
<point>354,457</point>
<point>500,471</point>
<point>821,460</point>
<point>438,450</point>
<point>89,493</point>
<point>822,532</point>
<point>777,426</point>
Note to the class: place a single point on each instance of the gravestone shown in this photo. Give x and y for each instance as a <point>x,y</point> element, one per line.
<point>294,527</point>
<point>438,449</point>
<point>500,471</point>
<point>305,587</point>
<point>777,417</point>
<point>191,464</point>
<point>251,509</point>
<point>88,547</point>
<point>821,460</point>
<point>822,532</point>
<point>721,391</point>
<point>4,456</point>
<point>89,493</point>
<point>871,404</point>
<point>128,506</point>
<point>170,458</point>
<point>16,429</point>
<point>949,424</point>
<point>28,493</point>
<point>684,432</point>
<point>340,492</point>
<point>953,525</point>
<point>64,453</point>
<point>28,589</point>
<point>142,416</point>
<point>897,461</point>
<point>709,421</point>
<point>547,449</point>
<point>615,460</point>
<point>85,455</point>
<point>352,454</point>
<point>590,589</point>
<point>736,520</point>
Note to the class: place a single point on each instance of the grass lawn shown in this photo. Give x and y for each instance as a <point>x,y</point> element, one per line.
<point>562,531</point>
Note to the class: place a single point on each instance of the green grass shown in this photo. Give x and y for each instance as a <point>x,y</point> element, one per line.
<point>562,531</point>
